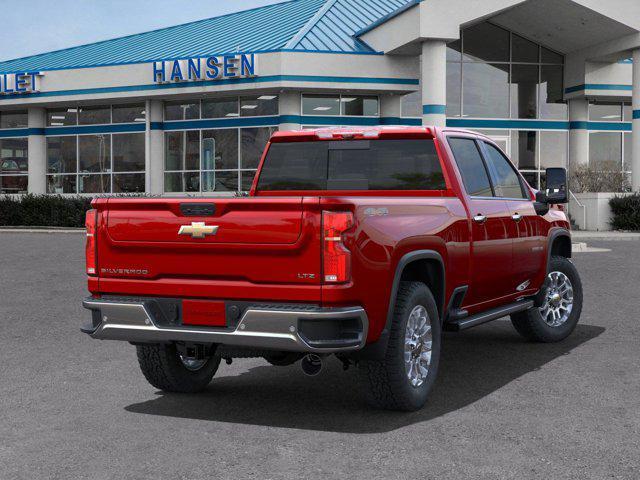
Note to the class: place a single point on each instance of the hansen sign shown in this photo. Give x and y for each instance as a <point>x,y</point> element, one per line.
<point>220,67</point>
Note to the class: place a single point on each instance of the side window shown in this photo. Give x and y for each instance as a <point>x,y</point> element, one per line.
<point>505,179</point>
<point>471,166</point>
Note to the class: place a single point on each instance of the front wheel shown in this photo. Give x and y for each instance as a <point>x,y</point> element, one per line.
<point>166,369</point>
<point>558,316</point>
<point>403,380</point>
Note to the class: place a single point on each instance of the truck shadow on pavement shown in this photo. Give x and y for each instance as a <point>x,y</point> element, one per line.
<point>474,364</point>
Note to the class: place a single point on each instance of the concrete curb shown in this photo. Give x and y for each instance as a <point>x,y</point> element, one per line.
<point>584,248</point>
<point>581,236</point>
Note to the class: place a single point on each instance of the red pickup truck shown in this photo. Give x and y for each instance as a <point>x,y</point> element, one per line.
<point>365,243</point>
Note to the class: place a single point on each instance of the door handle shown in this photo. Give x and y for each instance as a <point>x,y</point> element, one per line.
<point>480,218</point>
<point>517,217</point>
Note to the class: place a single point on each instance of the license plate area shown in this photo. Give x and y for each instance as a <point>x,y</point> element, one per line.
<point>204,313</point>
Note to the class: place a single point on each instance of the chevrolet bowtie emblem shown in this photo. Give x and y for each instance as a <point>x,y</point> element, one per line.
<point>198,230</point>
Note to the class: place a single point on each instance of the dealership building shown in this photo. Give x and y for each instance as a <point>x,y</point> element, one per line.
<point>188,109</point>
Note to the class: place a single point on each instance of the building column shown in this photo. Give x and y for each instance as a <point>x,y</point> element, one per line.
<point>37,119</point>
<point>154,142</point>
<point>434,83</point>
<point>290,111</point>
<point>391,109</point>
<point>635,141</point>
<point>578,133</point>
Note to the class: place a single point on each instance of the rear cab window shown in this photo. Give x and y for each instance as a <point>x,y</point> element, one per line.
<point>360,165</point>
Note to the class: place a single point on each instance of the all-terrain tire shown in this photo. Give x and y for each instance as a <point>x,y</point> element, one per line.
<point>533,327</point>
<point>162,367</point>
<point>386,383</point>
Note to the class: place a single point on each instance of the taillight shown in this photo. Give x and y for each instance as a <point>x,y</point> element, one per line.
<point>90,224</point>
<point>336,257</point>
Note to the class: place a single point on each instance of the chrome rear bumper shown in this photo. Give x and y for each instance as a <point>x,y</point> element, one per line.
<point>269,328</point>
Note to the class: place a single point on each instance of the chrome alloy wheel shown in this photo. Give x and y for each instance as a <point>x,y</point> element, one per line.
<point>559,301</point>
<point>192,364</point>
<point>418,342</point>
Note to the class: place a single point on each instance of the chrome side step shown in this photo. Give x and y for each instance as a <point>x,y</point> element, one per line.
<point>488,316</point>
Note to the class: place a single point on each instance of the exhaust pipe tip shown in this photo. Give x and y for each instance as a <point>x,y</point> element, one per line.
<point>311,365</point>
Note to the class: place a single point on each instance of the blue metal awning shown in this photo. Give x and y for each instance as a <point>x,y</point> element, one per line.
<point>297,25</point>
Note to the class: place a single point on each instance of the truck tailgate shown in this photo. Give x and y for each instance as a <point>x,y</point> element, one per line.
<point>261,244</point>
<point>239,220</point>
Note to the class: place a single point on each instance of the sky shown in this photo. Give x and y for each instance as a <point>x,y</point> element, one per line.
<point>38,26</point>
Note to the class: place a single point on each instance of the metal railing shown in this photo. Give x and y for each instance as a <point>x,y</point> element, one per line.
<point>584,210</point>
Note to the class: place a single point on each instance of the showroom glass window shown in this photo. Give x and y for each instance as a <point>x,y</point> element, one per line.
<point>14,165</point>
<point>222,107</point>
<point>213,160</point>
<point>14,153</point>
<point>182,110</point>
<point>610,150</point>
<point>216,160</point>
<point>494,73</point>
<point>341,105</point>
<point>13,119</point>
<point>95,115</point>
<point>100,163</point>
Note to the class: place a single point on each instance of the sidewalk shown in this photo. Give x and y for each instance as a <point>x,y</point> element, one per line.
<point>581,236</point>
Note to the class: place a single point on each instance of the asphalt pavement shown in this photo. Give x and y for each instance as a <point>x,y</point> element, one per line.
<point>75,408</point>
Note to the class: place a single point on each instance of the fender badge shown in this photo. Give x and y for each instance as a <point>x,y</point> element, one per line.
<point>198,230</point>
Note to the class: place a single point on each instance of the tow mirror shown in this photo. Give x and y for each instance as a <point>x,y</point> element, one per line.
<point>556,191</point>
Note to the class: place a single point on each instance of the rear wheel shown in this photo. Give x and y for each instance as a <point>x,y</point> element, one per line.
<point>166,369</point>
<point>558,316</point>
<point>403,380</point>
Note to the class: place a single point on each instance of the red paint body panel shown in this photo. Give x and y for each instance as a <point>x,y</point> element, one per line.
<point>269,245</point>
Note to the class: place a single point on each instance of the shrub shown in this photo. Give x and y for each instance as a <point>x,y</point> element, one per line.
<point>626,212</point>
<point>584,179</point>
<point>43,211</point>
